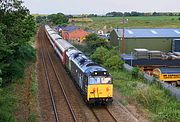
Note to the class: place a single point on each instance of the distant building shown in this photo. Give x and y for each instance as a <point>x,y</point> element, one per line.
<point>150,38</point>
<point>100,32</point>
<point>73,33</point>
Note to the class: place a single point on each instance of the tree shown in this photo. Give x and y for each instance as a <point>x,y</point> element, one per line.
<point>17,26</point>
<point>134,13</point>
<point>91,37</point>
<point>171,14</point>
<point>127,14</point>
<point>155,14</point>
<point>58,19</point>
<point>93,42</point>
<point>108,58</point>
<point>114,14</point>
<point>41,19</point>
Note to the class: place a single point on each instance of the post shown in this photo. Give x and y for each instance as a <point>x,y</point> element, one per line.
<point>131,58</point>
<point>122,46</point>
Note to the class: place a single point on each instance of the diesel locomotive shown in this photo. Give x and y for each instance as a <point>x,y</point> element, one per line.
<point>94,81</point>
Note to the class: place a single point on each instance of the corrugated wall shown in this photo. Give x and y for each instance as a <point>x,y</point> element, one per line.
<point>151,44</point>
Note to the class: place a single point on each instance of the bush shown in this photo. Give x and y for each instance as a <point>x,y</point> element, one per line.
<point>107,58</point>
<point>16,67</point>
<point>114,63</point>
<point>100,55</point>
<point>93,42</point>
<point>135,72</point>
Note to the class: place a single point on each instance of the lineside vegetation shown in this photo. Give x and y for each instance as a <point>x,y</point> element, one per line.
<point>17,26</point>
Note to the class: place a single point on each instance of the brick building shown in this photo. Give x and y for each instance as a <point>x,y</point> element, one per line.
<point>73,33</point>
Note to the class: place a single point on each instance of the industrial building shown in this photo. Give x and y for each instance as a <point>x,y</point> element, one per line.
<point>162,39</point>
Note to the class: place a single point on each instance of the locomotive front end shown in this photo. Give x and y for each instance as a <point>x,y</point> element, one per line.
<point>100,87</point>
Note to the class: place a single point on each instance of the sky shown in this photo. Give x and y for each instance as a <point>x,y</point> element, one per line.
<point>100,6</point>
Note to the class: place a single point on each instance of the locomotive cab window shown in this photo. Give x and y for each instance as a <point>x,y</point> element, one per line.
<point>99,80</point>
<point>94,80</point>
<point>106,80</point>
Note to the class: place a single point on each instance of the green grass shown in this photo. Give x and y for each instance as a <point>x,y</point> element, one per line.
<point>109,23</point>
<point>34,85</point>
<point>153,97</point>
<point>8,103</point>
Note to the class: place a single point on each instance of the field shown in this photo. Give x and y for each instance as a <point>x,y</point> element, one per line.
<point>80,20</point>
<point>108,23</point>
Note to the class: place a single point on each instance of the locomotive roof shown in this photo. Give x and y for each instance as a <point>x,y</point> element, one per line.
<point>92,69</point>
<point>83,62</point>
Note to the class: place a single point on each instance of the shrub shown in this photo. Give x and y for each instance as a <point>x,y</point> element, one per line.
<point>16,67</point>
<point>107,58</point>
<point>135,72</point>
<point>93,42</point>
<point>100,55</point>
<point>114,63</point>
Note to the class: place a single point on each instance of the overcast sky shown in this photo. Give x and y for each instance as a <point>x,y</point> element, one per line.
<point>100,6</point>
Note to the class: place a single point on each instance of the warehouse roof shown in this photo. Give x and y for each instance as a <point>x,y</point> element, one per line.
<point>149,33</point>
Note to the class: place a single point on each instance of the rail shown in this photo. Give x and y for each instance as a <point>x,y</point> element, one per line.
<point>49,85</point>
<point>62,88</point>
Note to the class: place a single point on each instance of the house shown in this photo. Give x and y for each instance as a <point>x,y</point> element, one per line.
<point>163,39</point>
<point>73,33</point>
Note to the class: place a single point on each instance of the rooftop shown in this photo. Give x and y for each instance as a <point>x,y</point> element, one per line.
<point>149,33</point>
<point>69,28</point>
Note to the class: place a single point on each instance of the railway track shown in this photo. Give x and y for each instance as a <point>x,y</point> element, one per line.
<point>127,111</point>
<point>103,114</point>
<point>48,81</point>
<point>45,65</point>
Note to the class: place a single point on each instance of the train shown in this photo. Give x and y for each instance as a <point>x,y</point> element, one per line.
<point>94,82</point>
<point>169,75</point>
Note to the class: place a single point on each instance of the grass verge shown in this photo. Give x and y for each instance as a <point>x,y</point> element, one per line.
<point>153,97</point>
<point>8,102</point>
